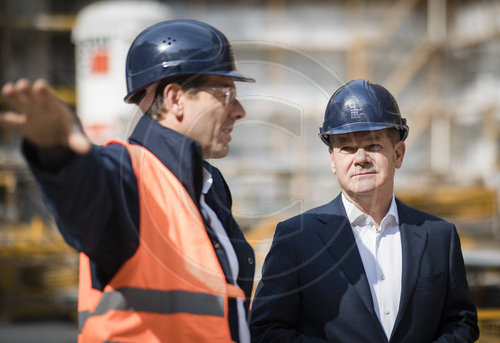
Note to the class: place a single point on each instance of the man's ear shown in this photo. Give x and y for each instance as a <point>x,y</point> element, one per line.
<point>173,99</point>
<point>399,154</point>
<point>332,161</point>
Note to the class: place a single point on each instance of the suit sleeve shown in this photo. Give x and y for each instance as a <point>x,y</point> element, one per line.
<point>459,318</point>
<point>276,305</point>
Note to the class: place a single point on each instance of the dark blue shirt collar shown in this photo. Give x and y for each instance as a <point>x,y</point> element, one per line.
<point>180,154</point>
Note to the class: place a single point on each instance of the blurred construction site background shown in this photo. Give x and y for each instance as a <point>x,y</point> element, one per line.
<point>440,58</point>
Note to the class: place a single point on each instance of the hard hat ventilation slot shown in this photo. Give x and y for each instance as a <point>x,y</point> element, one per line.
<point>170,41</point>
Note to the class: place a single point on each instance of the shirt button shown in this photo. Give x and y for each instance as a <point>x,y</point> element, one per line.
<point>250,260</point>
<point>387,311</point>
<point>217,245</point>
<point>382,277</point>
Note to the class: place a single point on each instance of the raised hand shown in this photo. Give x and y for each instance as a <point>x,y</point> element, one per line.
<point>42,117</point>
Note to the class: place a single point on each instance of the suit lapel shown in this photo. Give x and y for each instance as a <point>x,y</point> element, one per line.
<point>413,242</point>
<point>337,236</point>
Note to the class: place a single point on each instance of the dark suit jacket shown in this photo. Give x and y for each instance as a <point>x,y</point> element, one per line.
<point>314,287</point>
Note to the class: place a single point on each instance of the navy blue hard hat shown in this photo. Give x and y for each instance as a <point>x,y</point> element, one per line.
<point>360,105</point>
<point>178,47</point>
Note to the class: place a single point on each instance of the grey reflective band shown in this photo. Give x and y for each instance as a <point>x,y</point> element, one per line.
<point>155,301</point>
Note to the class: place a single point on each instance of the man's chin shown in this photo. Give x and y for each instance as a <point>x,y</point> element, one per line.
<point>364,190</point>
<point>219,152</point>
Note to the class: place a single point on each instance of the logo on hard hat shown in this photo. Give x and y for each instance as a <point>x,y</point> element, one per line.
<point>355,110</point>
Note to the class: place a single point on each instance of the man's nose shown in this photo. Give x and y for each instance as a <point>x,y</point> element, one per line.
<point>361,156</point>
<point>236,111</point>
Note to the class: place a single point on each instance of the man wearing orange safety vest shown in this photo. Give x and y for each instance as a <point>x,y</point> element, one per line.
<point>162,258</point>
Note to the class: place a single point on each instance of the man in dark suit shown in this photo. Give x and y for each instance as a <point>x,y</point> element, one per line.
<point>364,267</point>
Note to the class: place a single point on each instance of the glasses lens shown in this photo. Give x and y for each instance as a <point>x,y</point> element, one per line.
<point>226,94</point>
<point>230,96</point>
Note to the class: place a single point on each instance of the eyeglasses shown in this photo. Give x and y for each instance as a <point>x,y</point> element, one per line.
<point>229,93</point>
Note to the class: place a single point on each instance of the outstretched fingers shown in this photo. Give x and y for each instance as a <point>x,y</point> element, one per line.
<point>19,94</point>
<point>12,120</point>
<point>43,119</point>
<point>7,88</point>
<point>42,90</point>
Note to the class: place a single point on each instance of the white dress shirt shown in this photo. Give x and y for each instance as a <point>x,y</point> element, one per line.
<point>381,255</point>
<point>224,240</point>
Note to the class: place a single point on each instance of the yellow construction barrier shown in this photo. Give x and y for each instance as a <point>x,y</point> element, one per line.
<point>489,325</point>
<point>38,273</point>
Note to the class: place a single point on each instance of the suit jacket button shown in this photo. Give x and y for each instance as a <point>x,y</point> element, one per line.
<point>250,260</point>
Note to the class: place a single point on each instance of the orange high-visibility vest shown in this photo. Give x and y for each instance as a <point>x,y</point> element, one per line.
<point>173,288</point>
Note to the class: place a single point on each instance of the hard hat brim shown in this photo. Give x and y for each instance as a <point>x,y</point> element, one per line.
<point>236,76</point>
<point>360,127</point>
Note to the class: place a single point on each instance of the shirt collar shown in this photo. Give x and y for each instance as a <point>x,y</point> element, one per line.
<point>179,153</point>
<point>207,181</point>
<point>359,218</point>
<point>392,214</point>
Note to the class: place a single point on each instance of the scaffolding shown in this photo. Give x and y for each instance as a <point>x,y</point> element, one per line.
<point>438,57</point>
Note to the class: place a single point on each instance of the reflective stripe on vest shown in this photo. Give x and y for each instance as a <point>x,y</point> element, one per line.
<point>163,302</point>
<point>172,289</point>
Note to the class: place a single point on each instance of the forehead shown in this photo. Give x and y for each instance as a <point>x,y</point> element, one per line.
<point>359,137</point>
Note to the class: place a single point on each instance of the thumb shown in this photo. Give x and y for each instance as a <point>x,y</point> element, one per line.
<point>78,141</point>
